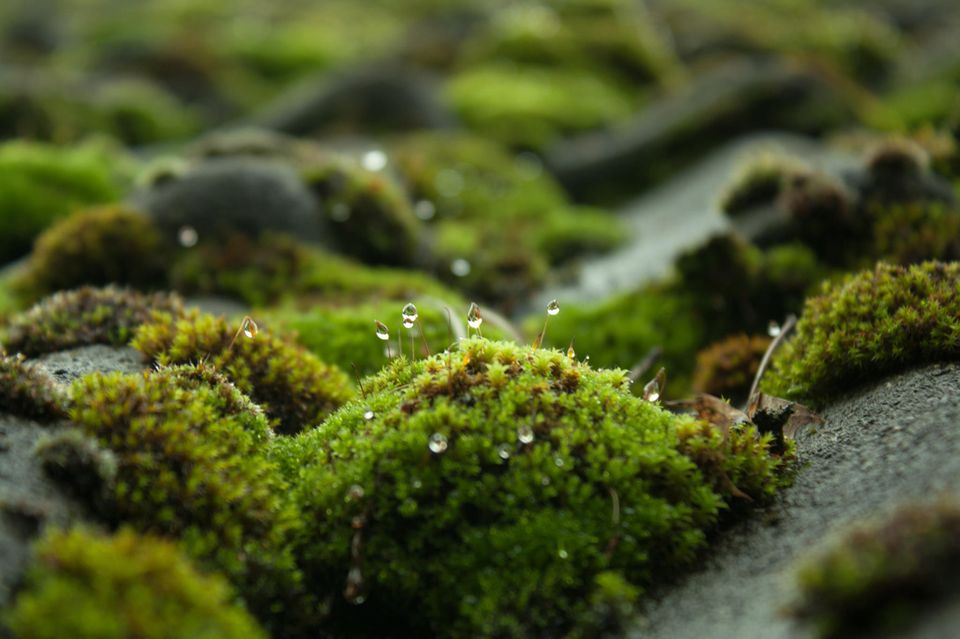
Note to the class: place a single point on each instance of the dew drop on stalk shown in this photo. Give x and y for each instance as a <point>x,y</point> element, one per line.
<point>382,331</point>
<point>553,308</point>
<point>503,452</point>
<point>409,315</point>
<point>651,391</point>
<point>369,414</point>
<point>572,354</point>
<point>525,434</point>
<point>187,236</point>
<point>474,318</point>
<point>773,329</point>
<point>249,327</point>
<point>438,444</point>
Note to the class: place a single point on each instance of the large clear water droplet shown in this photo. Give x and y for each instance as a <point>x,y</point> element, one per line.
<point>382,331</point>
<point>651,392</point>
<point>374,160</point>
<point>249,327</point>
<point>553,308</point>
<point>773,329</point>
<point>410,315</point>
<point>503,452</point>
<point>438,444</point>
<point>187,236</point>
<point>572,354</point>
<point>525,434</point>
<point>474,318</point>
<point>460,267</point>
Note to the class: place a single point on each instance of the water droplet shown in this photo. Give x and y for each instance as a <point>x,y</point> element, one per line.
<point>651,392</point>
<point>425,210</point>
<point>525,434</point>
<point>474,318</point>
<point>355,492</point>
<point>562,554</point>
<point>572,354</point>
<point>773,329</point>
<point>249,327</point>
<point>340,212</point>
<point>417,484</point>
<point>187,236</point>
<point>449,183</point>
<point>374,160</point>
<point>438,444</point>
<point>460,267</point>
<point>503,452</point>
<point>353,592</point>
<point>558,461</point>
<point>382,331</point>
<point>409,315</point>
<point>553,308</point>
<point>544,481</point>
<point>369,414</point>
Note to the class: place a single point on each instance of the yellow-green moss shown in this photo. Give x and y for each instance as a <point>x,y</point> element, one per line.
<point>83,317</point>
<point>296,389</point>
<point>86,585</point>
<point>484,491</point>
<point>874,323</point>
<point>96,247</point>
<point>881,575</point>
<point>28,390</point>
<point>40,183</point>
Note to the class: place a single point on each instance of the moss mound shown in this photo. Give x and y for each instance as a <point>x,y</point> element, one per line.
<point>85,316</point>
<point>89,586</point>
<point>484,492</point>
<point>109,245</point>
<point>189,466</point>
<point>868,325</point>
<point>40,183</point>
<point>758,182</point>
<point>880,576</point>
<point>28,391</point>
<point>727,368</point>
<point>296,389</point>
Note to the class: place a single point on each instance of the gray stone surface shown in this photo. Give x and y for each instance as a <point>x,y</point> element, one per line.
<point>894,442</point>
<point>66,366</point>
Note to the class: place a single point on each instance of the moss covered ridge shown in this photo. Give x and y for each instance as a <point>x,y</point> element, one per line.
<point>483,492</point>
<point>868,325</point>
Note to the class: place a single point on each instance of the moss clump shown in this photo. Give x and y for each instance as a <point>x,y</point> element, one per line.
<point>189,466</point>
<point>727,368</point>
<point>912,232</point>
<point>28,391</point>
<point>40,183</point>
<point>89,586</point>
<point>367,214</point>
<point>277,269</point>
<point>79,464</point>
<point>868,325</point>
<point>85,316</point>
<point>110,245</point>
<point>483,492</point>
<point>296,389</point>
<point>758,182</point>
<point>880,576</point>
<point>824,216</point>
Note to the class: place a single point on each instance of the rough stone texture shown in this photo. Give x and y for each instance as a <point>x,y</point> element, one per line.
<point>67,366</point>
<point>890,443</point>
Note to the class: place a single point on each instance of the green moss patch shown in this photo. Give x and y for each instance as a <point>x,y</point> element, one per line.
<point>90,586</point>
<point>868,325</point>
<point>484,492</point>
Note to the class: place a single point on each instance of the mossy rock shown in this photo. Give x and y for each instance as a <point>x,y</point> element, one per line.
<point>483,492</point>
<point>96,247</point>
<point>758,182</point>
<point>296,389</point>
<point>89,585</point>
<point>27,390</point>
<point>189,466</point>
<point>866,326</point>
<point>367,214</point>
<point>727,368</point>
<point>41,183</point>
<point>83,317</point>
<point>880,576</point>
<point>913,232</point>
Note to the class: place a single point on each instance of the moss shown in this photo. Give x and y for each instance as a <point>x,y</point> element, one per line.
<point>189,466</point>
<point>28,390</point>
<point>824,216</point>
<point>109,245</point>
<point>367,214</point>
<point>484,491</point>
<point>912,232</point>
<point>868,325</point>
<point>83,317</point>
<point>40,183</point>
<point>528,106</point>
<point>881,575</point>
<point>79,465</point>
<point>86,585</point>
<point>278,269</point>
<point>727,368</point>
<point>296,389</point>
<point>759,181</point>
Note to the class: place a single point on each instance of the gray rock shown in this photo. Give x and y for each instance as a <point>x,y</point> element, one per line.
<point>893,442</point>
<point>66,366</point>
